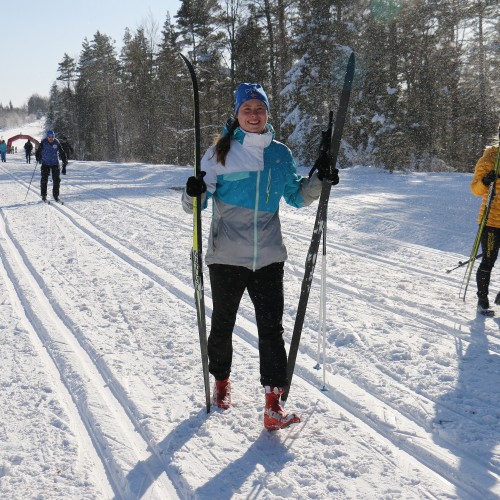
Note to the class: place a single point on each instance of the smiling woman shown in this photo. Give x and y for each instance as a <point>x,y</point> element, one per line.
<point>246,173</point>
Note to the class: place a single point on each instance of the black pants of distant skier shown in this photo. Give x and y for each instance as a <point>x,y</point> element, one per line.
<point>265,288</point>
<point>56,180</point>
<point>490,244</point>
<point>28,158</point>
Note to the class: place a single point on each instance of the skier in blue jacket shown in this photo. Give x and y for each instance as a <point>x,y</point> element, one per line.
<point>246,173</point>
<point>3,150</point>
<point>48,153</point>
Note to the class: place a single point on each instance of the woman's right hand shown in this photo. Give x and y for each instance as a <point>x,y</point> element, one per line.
<point>195,185</point>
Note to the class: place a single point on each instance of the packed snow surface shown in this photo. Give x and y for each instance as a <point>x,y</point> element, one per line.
<point>100,371</point>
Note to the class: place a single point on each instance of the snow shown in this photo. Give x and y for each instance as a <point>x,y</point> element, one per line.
<point>100,374</point>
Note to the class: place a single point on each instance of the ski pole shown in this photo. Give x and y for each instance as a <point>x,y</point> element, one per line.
<point>322,310</point>
<point>31,181</point>
<point>323,304</point>
<point>462,263</point>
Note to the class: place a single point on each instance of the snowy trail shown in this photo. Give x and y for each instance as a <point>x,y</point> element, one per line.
<point>106,418</point>
<point>133,260</point>
<point>65,417</point>
<point>112,263</point>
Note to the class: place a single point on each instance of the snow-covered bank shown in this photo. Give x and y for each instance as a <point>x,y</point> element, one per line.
<point>102,392</point>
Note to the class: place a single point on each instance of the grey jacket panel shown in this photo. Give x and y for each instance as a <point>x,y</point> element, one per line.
<point>234,240</point>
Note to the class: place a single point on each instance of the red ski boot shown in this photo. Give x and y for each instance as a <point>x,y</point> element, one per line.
<point>275,416</point>
<point>222,394</point>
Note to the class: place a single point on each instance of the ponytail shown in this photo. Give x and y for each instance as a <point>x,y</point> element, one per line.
<point>223,143</point>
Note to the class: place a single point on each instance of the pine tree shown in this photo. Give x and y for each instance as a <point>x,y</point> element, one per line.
<point>138,86</point>
<point>98,100</point>
<point>315,80</point>
<point>173,101</point>
<point>198,30</point>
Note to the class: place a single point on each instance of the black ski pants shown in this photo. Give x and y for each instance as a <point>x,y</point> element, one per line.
<point>56,179</point>
<point>490,243</point>
<point>265,288</point>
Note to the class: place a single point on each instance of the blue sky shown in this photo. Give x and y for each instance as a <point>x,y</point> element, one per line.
<point>35,37</point>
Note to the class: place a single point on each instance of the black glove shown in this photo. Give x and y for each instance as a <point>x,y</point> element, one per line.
<point>488,178</point>
<point>195,186</point>
<point>63,171</point>
<point>324,172</point>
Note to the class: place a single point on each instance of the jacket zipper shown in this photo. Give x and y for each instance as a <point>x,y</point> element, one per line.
<point>255,217</point>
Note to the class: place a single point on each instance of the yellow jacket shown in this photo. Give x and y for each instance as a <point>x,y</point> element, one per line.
<point>485,165</point>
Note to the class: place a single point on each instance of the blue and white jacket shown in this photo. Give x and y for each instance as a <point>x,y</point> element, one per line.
<point>48,154</point>
<point>246,194</point>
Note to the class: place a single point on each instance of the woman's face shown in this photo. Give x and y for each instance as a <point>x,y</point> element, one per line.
<point>252,116</point>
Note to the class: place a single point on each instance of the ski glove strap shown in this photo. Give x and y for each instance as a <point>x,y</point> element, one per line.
<point>195,186</point>
<point>489,178</point>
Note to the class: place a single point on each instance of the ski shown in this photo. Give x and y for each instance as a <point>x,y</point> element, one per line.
<point>55,201</point>
<point>482,224</point>
<point>196,252</point>
<point>321,218</point>
<point>486,312</point>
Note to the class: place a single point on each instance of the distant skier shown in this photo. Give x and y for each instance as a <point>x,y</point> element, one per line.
<point>3,150</point>
<point>68,149</point>
<point>48,153</point>
<point>247,173</point>
<point>28,148</point>
<point>484,175</point>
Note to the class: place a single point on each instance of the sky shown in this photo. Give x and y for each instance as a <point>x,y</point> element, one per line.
<point>34,45</point>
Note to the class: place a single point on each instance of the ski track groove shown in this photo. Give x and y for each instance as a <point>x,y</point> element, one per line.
<point>75,419</point>
<point>383,262</point>
<point>59,336</point>
<point>133,257</point>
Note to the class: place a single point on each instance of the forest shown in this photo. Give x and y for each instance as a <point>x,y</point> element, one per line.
<point>425,95</point>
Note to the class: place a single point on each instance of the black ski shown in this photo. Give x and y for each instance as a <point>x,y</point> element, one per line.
<point>319,224</point>
<point>196,252</point>
<point>55,201</point>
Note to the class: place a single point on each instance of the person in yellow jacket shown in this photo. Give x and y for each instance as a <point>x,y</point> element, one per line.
<point>484,175</point>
